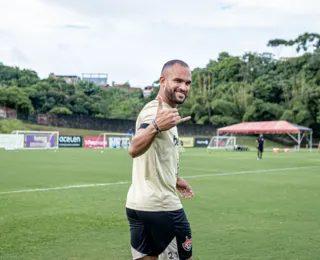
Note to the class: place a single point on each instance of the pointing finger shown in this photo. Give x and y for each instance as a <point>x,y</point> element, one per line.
<point>184,119</point>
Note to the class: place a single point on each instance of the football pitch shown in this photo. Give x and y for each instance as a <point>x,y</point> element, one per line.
<point>70,204</point>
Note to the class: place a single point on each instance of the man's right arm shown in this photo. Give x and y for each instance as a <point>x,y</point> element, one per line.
<point>142,141</point>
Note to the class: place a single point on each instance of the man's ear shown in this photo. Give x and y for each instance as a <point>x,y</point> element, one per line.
<point>162,81</point>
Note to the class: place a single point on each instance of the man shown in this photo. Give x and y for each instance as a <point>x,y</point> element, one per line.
<point>260,145</point>
<point>158,224</point>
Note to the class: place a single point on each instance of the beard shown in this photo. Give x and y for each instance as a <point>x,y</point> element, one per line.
<point>171,95</point>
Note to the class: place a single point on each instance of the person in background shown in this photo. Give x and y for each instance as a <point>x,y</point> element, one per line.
<point>260,145</point>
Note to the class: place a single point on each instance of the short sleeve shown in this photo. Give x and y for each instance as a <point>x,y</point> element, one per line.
<point>147,114</point>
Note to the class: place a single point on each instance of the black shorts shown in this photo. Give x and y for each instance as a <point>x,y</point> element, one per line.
<point>165,233</point>
<point>260,148</point>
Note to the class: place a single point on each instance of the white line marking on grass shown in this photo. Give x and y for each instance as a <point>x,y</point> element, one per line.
<point>197,169</point>
<point>246,172</point>
<point>66,187</point>
<point>126,182</point>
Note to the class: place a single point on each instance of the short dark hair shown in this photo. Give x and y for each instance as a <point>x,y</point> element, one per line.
<point>170,63</point>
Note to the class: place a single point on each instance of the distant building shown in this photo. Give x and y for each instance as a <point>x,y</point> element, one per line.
<point>127,87</point>
<point>147,91</point>
<point>71,79</point>
<point>286,58</point>
<point>100,79</point>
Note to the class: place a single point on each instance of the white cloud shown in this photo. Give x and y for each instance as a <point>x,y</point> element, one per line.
<point>285,6</point>
<point>130,40</point>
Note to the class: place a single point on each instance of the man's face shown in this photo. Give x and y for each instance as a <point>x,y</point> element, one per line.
<point>177,83</point>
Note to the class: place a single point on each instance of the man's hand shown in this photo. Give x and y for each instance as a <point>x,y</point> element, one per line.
<point>168,118</point>
<point>184,188</point>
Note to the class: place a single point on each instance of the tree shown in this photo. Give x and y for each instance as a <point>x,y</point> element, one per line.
<point>228,89</point>
<point>302,42</point>
<point>60,110</point>
<point>15,98</point>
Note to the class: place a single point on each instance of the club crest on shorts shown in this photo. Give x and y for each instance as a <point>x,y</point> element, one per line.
<point>187,245</point>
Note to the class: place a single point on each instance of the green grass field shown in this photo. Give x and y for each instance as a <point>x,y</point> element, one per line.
<point>70,204</point>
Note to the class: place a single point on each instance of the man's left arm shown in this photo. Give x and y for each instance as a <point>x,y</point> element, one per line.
<point>184,188</point>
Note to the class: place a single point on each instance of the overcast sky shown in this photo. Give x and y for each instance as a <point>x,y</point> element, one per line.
<point>131,39</point>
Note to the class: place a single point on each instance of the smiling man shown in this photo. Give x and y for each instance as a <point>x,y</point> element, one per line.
<point>158,224</point>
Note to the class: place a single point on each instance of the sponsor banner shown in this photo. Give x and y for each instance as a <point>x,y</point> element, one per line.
<point>39,140</point>
<point>187,141</point>
<point>119,142</point>
<point>201,142</point>
<point>44,119</point>
<point>95,142</point>
<point>70,141</point>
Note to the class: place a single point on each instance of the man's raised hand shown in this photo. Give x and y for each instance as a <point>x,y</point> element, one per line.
<point>168,118</point>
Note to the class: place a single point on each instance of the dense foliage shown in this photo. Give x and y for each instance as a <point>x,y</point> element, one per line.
<point>253,87</point>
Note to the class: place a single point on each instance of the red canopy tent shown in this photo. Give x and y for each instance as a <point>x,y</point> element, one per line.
<point>270,127</point>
